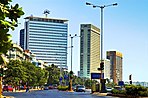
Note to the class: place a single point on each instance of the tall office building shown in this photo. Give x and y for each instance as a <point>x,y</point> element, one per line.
<point>47,39</point>
<point>89,50</point>
<point>116,65</point>
<point>107,69</point>
<point>22,38</point>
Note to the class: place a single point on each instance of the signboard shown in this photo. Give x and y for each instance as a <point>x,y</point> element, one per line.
<point>121,83</point>
<point>97,75</point>
<point>60,78</point>
<point>65,77</point>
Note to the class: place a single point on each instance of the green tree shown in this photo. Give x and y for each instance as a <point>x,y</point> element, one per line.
<point>15,73</point>
<point>42,75</point>
<point>30,70</point>
<point>8,19</point>
<point>24,72</point>
<point>54,74</point>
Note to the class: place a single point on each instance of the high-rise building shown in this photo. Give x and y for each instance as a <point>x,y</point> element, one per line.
<point>22,38</point>
<point>47,39</point>
<point>115,58</point>
<point>107,69</point>
<point>89,50</point>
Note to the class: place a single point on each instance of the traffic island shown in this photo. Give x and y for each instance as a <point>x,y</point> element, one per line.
<point>100,94</point>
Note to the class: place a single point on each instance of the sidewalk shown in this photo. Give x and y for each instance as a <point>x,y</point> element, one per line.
<point>7,97</point>
<point>100,94</point>
<point>25,90</point>
<point>19,91</point>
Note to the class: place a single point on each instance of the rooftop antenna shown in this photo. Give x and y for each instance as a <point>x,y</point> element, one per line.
<point>46,12</point>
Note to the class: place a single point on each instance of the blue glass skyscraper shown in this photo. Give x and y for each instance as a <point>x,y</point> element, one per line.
<point>47,39</point>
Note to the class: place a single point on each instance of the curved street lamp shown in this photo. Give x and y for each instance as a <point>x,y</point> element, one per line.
<point>101,51</point>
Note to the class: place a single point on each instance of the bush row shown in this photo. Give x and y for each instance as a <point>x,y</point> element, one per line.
<point>132,90</point>
<point>63,88</point>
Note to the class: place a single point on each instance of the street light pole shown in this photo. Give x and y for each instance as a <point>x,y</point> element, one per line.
<point>71,73</point>
<point>101,33</point>
<point>101,51</point>
<point>71,51</point>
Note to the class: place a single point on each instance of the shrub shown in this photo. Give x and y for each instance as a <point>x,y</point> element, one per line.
<point>63,88</point>
<point>122,92</point>
<point>135,90</point>
<point>115,91</point>
<point>143,93</point>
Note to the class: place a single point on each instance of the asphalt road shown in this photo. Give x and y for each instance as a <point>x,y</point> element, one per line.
<point>52,94</point>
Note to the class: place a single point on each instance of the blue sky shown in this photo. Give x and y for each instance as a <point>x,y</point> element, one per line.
<point>125,28</point>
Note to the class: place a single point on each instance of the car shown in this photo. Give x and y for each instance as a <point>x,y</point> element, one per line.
<point>50,87</point>
<point>80,88</point>
<point>8,88</point>
<point>22,88</point>
<point>74,88</point>
<point>46,88</point>
<point>109,89</point>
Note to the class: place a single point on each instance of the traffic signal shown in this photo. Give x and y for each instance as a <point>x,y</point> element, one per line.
<point>1,72</point>
<point>71,74</point>
<point>102,65</point>
<point>130,77</point>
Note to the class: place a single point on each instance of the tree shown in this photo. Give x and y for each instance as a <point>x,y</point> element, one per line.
<point>30,70</point>
<point>24,73</point>
<point>15,73</point>
<point>8,19</point>
<point>41,76</point>
<point>54,74</point>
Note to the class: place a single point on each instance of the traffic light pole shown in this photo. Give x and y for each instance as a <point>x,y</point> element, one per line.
<point>1,81</point>
<point>1,78</point>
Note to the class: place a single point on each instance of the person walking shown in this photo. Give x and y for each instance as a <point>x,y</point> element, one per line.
<point>27,89</point>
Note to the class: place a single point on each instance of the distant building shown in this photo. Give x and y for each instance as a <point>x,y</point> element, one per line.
<point>107,70</point>
<point>145,84</point>
<point>15,53</point>
<point>22,38</point>
<point>78,73</point>
<point>116,65</point>
<point>89,50</point>
<point>47,39</point>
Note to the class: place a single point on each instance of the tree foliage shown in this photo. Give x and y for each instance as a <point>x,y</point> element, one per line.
<point>24,73</point>
<point>54,74</point>
<point>9,15</point>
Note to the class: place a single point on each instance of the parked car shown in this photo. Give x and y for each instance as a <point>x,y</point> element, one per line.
<point>8,88</point>
<point>80,88</point>
<point>74,88</point>
<point>109,89</point>
<point>50,87</point>
<point>46,88</point>
<point>22,88</point>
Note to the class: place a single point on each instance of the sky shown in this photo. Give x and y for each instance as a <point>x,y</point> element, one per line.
<point>125,28</point>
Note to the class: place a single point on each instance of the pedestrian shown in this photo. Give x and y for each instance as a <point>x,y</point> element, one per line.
<point>27,89</point>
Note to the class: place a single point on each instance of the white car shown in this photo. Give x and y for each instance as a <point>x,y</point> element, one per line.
<point>80,88</point>
<point>109,89</point>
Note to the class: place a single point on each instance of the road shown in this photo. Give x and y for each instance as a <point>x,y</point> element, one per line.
<point>52,94</point>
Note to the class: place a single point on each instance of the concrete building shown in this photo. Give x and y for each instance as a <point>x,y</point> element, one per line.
<point>115,58</point>
<point>22,38</point>
<point>107,70</point>
<point>15,53</point>
<point>89,50</point>
<point>145,84</point>
<point>47,39</point>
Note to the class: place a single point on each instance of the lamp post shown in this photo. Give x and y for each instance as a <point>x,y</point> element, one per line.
<point>101,51</point>
<point>71,73</point>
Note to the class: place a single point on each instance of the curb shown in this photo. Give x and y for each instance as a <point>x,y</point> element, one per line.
<point>100,94</point>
